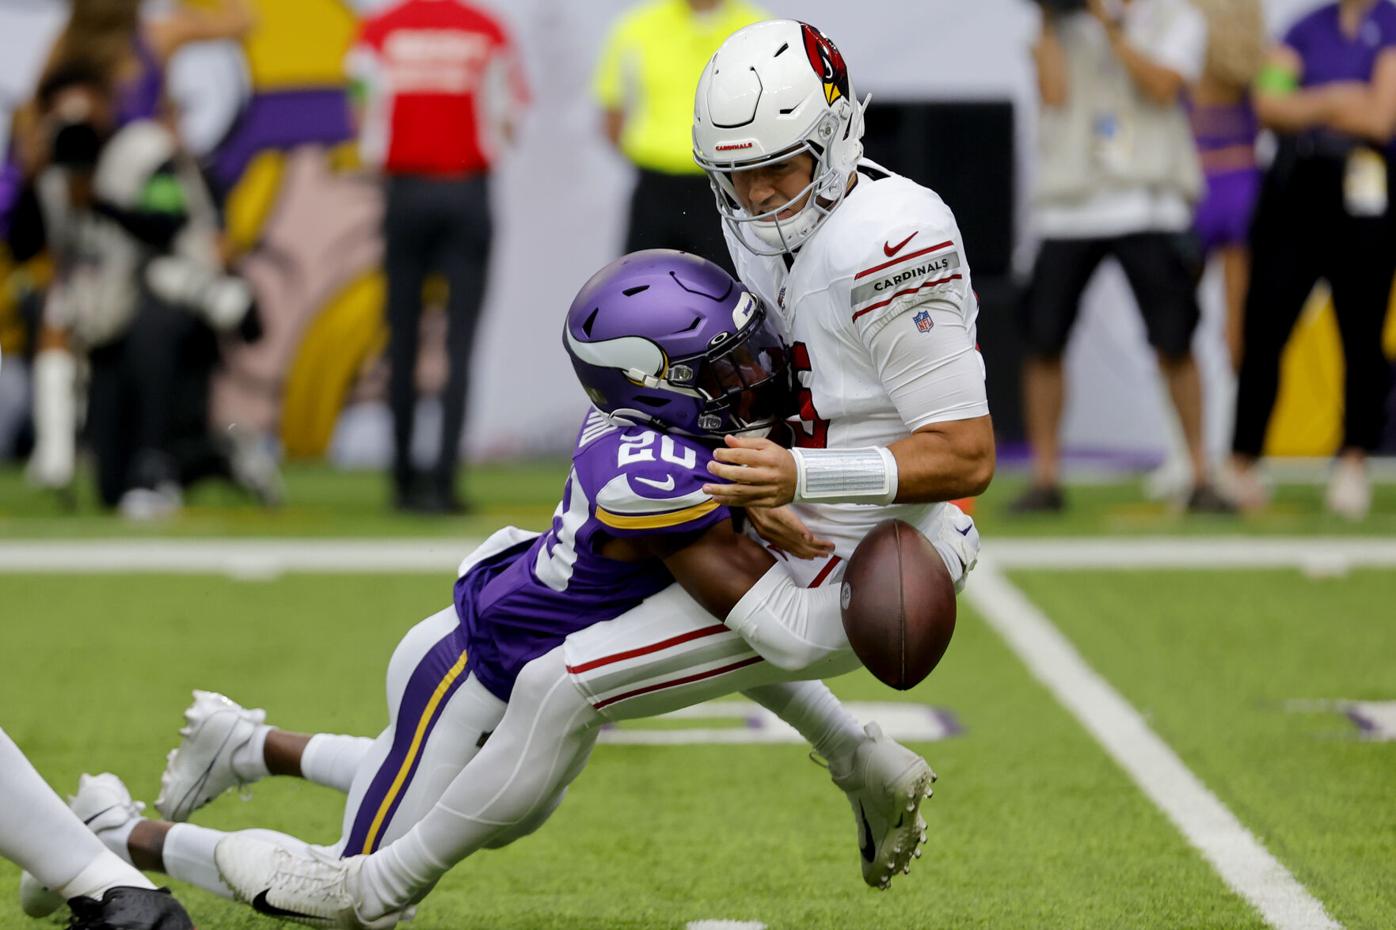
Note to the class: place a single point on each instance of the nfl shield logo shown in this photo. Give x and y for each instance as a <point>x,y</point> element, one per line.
<point>923,321</point>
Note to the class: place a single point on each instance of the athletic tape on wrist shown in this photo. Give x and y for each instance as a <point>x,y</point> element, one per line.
<point>853,476</point>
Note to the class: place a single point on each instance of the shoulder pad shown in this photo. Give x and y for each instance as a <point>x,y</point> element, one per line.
<point>909,273</point>
<point>652,481</point>
<point>899,247</point>
<point>594,426</point>
<point>627,506</point>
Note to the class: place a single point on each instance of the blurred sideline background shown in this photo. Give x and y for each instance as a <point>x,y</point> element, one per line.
<point>267,116</point>
<point>1256,645</point>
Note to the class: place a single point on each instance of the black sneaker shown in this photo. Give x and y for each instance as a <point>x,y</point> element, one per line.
<point>1206,499</point>
<point>1039,499</point>
<point>129,909</point>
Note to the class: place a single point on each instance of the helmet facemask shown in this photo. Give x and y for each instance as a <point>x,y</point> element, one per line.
<point>828,185</point>
<point>745,386</point>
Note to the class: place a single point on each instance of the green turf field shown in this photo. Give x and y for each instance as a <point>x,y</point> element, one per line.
<point>1233,669</point>
<point>1033,824</point>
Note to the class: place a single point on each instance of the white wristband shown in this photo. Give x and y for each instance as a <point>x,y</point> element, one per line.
<point>852,476</point>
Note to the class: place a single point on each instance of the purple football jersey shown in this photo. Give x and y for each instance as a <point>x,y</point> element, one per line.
<point>625,481</point>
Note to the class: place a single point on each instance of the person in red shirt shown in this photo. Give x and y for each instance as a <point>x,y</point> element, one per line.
<point>438,87</point>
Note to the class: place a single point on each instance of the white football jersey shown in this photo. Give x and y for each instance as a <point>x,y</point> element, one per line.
<point>880,316</point>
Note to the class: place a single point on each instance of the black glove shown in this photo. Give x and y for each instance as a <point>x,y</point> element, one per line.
<point>129,909</point>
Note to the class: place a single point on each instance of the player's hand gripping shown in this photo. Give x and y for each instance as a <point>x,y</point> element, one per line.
<point>781,528</point>
<point>762,474</point>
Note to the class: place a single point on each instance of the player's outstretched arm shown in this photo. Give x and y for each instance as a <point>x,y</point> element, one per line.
<point>939,462</point>
<point>945,461</point>
<point>736,580</point>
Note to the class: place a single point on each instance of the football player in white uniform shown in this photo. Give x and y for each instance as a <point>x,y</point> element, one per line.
<point>867,271</point>
<point>894,416</point>
<point>50,842</point>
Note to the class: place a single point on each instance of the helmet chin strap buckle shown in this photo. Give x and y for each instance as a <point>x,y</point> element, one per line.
<point>640,377</point>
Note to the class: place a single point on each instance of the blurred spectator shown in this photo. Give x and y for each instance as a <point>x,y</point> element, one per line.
<point>438,81</point>
<point>138,292</point>
<point>645,84</point>
<point>1225,126</point>
<point>1226,129</point>
<point>1328,90</point>
<point>130,55</point>
<point>1118,176</point>
<point>125,52</point>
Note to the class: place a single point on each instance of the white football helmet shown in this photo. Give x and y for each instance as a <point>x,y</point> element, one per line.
<point>773,90</point>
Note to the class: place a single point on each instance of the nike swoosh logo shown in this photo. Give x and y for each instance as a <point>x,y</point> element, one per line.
<point>867,847</point>
<point>965,531</point>
<point>666,485</point>
<point>894,249</point>
<point>261,905</point>
<point>89,820</point>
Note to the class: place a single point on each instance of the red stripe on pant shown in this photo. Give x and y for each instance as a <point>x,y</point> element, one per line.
<point>646,650</point>
<point>679,640</point>
<point>649,689</point>
<point>683,637</point>
<point>824,572</point>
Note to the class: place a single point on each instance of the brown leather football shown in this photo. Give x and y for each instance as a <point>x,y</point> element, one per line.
<point>898,604</point>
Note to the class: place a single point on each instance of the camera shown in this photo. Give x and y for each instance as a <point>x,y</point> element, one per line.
<point>76,145</point>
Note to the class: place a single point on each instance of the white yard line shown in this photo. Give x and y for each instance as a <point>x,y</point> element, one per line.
<point>1206,823</point>
<point>1193,552</point>
<point>269,557</point>
<point>237,557</point>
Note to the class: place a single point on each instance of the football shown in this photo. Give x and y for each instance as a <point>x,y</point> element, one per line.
<point>898,604</point>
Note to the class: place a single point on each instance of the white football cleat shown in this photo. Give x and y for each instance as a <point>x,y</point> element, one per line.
<point>35,899</point>
<point>310,887</point>
<point>885,786</point>
<point>200,768</point>
<point>103,803</point>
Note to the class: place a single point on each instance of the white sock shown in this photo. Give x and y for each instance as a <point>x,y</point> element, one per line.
<point>332,760</point>
<point>38,832</point>
<point>811,708</point>
<point>249,759</point>
<point>100,876</point>
<point>118,839</point>
<point>188,856</point>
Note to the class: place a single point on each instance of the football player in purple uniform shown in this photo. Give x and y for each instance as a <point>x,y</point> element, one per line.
<point>660,340</point>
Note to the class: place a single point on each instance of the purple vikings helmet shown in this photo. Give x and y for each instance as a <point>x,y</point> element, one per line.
<point>667,339</point>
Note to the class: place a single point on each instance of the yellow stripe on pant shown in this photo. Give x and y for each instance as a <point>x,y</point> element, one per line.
<point>417,739</point>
